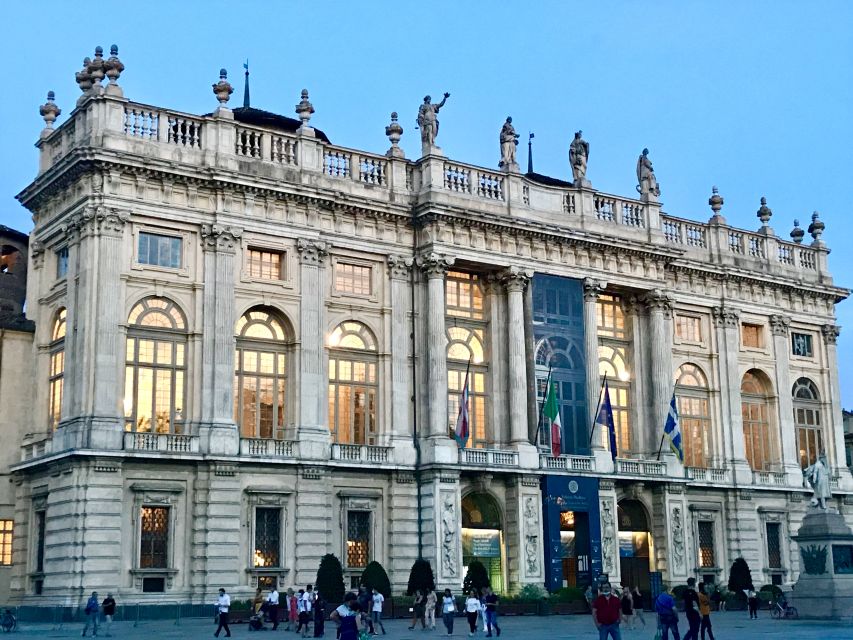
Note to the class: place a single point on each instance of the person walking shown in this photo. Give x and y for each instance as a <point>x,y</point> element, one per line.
<point>752,603</point>
<point>378,601</point>
<point>223,604</point>
<point>418,610</point>
<point>639,603</point>
<point>307,600</point>
<point>365,607</point>
<point>319,615</point>
<point>491,613</point>
<point>667,616</point>
<point>108,606</point>
<point>606,611</point>
<point>431,602</point>
<point>258,601</point>
<point>627,603</point>
<point>272,607</point>
<point>705,612</point>
<point>691,610</point>
<point>448,611</point>
<point>346,617</point>
<point>292,610</point>
<point>472,611</point>
<point>92,610</point>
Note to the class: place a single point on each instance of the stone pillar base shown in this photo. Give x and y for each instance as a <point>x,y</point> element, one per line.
<point>439,449</point>
<point>430,150</point>
<point>528,455</point>
<point>603,460</point>
<point>314,443</point>
<point>219,439</point>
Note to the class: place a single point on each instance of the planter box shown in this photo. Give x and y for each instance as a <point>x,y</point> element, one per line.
<point>519,609</point>
<point>568,608</point>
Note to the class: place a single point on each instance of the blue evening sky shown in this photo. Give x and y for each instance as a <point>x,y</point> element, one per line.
<point>753,96</point>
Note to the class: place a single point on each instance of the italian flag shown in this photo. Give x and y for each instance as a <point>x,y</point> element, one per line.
<point>552,413</point>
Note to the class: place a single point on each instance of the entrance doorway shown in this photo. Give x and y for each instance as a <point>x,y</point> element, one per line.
<point>635,544</point>
<point>482,536</point>
<point>574,548</point>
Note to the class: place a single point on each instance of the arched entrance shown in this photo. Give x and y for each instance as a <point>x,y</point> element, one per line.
<point>482,536</point>
<point>635,544</point>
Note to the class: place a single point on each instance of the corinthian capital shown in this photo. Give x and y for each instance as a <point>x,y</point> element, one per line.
<point>217,237</point>
<point>725,316</point>
<point>399,266</point>
<point>435,265</point>
<point>779,325</point>
<point>111,221</point>
<point>312,252</point>
<point>830,333</point>
<point>657,300</point>
<point>592,289</point>
<point>515,278</point>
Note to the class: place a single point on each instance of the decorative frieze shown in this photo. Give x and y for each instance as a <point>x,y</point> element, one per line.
<point>313,473</point>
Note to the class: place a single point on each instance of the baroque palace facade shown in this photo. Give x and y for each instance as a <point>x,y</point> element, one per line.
<point>249,348</point>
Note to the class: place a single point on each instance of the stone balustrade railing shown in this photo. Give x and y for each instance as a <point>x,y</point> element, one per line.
<point>567,463</point>
<point>769,478</point>
<point>219,141</point>
<point>362,453</point>
<point>266,448</point>
<point>167,442</point>
<point>640,467</point>
<point>488,457</point>
<point>707,474</point>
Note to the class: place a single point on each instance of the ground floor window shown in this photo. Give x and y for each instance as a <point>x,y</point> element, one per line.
<point>154,538</point>
<point>707,556</point>
<point>358,538</point>
<point>267,537</point>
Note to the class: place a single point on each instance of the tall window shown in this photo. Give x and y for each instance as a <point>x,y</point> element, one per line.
<point>774,545</point>
<point>707,557</point>
<point>358,538</point>
<point>41,521</point>
<point>56,379</point>
<point>260,381</point>
<point>6,528</point>
<point>154,538</point>
<point>755,409</point>
<point>466,336</point>
<point>62,262</point>
<point>265,265</point>
<point>614,351</point>
<point>159,250</point>
<point>688,328</point>
<point>267,537</point>
<point>352,384</point>
<point>352,278</point>
<point>155,368</point>
<point>564,359</point>
<point>807,421</point>
<point>752,335</point>
<point>691,392</point>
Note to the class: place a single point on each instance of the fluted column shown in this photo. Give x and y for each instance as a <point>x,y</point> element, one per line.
<point>727,321</point>
<point>660,364</point>
<point>218,430</point>
<point>516,279</point>
<point>779,326</point>
<point>435,267</point>
<point>400,269</point>
<point>313,384</point>
<point>836,458</point>
<point>591,291</point>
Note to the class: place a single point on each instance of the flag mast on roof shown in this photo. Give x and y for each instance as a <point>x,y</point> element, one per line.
<point>246,85</point>
<point>530,153</point>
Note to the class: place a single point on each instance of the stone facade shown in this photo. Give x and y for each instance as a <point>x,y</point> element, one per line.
<point>347,290</point>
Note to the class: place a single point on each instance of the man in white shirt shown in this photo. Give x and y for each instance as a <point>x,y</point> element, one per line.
<point>378,599</point>
<point>272,607</point>
<point>223,604</point>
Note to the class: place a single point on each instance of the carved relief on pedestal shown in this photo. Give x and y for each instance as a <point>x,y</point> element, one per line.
<point>449,537</point>
<point>608,537</point>
<point>677,539</point>
<point>531,535</point>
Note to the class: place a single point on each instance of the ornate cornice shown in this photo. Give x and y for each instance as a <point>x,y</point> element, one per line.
<point>220,237</point>
<point>779,325</point>
<point>830,333</point>
<point>435,265</point>
<point>399,267</point>
<point>312,252</point>
<point>725,316</point>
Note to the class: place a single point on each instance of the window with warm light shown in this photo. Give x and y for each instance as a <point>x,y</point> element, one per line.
<point>752,335</point>
<point>353,388</point>
<point>614,353</point>
<point>159,250</point>
<point>260,378</point>
<point>707,555</point>
<point>755,410</point>
<point>352,278</point>
<point>264,264</point>
<point>154,538</point>
<point>155,367</point>
<point>56,375</point>
<point>691,392</point>
<point>6,530</point>
<point>807,421</point>
<point>267,538</point>
<point>358,539</point>
<point>465,346</point>
<point>688,328</point>
<point>464,295</point>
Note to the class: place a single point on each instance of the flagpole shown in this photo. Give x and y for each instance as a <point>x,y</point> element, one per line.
<point>597,409</point>
<point>660,448</point>
<point>542,407</point>
<point>464,388</point>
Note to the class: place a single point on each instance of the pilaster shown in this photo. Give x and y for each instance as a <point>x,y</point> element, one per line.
<point>313,522</point>
<point>779,326</point>
<point>660,363</point>
<point>400,272</point>
<point>600,450</point>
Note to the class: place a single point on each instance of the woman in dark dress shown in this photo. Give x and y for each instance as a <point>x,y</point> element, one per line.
<point>319,616</point>
<point>418,610</point>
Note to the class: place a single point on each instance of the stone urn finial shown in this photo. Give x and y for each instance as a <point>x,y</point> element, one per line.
<point>394,132</point>
<point>716,201</point>
<point>223,89</point>
<point>764,212</point>
<point>97,66</point>
<point>304,109</point>
<point>816,228</point>
<point>797,232</point>
<point>83,77</point>
<point>113,66</point>
<point>49,111</point>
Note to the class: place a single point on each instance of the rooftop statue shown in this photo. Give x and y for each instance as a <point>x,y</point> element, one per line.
<point>509,141</point>
<point>648,183</point>
<point>578,156</point>
<point>818,477</point>
<point>427,120</point>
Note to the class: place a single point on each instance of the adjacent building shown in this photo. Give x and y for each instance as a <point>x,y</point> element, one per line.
<point>251,344</point>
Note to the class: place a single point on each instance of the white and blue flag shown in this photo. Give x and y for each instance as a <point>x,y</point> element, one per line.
<point>673,430</point>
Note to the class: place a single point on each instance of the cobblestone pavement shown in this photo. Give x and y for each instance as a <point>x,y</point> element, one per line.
<point>727,626</point>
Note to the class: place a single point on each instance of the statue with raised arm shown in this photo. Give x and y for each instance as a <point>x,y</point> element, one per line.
<point>648,183</point>
<point>509,141</point>
<point>578,156</point>
<point>427,120</point>
<point>818,477</point>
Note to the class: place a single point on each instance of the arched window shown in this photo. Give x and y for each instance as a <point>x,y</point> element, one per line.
<point>260,378</point>
<point>155,367</point>
<point>465,345</point>
<point>614,355</point>
<point>691,392</point>
<point>353,392</point>
<point>807,421</point>
<point>56,379</point>
<point>755,410</point>
<point>564,358</point>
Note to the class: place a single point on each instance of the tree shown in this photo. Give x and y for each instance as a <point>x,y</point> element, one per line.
<point>330,579</point>
<point>420,577</point>
<point>740,577</point>
<point>374,577</point>
<point>476,578</point>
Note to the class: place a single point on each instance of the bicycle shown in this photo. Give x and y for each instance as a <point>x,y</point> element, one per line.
<point>8,622</point>
<point>786,612</point>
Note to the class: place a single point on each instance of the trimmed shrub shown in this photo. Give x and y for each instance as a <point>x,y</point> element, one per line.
<point>330,579</point>
<point>420,577</point>
<point>531,593</point>
<point>740,577</point>
<point>568,594</point>
<point>374,577</point>
<point>476,578</point>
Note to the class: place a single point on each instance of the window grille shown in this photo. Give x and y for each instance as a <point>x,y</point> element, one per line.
<point>706,544</point>
<point>154,539</point>
<point>358,538</point>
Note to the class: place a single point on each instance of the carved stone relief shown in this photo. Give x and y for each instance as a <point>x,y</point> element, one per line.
<point>677,539</point>
<point>449,539</point>
<point>531,535</point>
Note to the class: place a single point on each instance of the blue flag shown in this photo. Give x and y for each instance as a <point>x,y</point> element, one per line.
<point>605,420</point>
<point>673,430</point>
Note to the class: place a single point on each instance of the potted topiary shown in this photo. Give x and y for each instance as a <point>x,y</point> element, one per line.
<point>330,581</point>
<point>740,580</point>
<point>374,577</point>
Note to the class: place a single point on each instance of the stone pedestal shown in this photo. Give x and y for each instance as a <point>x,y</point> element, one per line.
<point>825,587</point>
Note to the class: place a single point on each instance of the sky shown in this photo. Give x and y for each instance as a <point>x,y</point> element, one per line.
<point>752,96</point>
